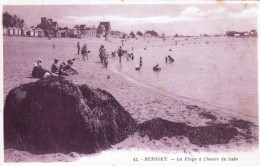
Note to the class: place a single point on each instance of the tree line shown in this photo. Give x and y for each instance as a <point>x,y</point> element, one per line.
<point>12,20</point>
<point>139,33</point>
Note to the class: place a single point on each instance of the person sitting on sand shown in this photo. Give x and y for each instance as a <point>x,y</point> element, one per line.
<point>120,53</point>
<point>170,58</point>
<point>55,68</point>
<point>38,71</point>
<point>170,49</point>
<point>156,67</point>
<point>70,69</point>
<point>62,68</point>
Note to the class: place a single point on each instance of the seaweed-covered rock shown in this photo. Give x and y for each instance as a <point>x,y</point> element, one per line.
<point>158,128</point>
<point>56,115</point>
<point>212,134</point>
<point>203,135</point>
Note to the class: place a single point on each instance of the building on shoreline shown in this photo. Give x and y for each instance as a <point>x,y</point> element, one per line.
<point>15,31</point>
<point>49,27</point>
<point>117,34</point>
<point>86,32</point>
<point>91,31</point>
<point>252,33</point>
<point>74,33</point>
<point>104,28</point>
<point>30,32</point>
<point>10,31</point>
<point>24,32</point>
<point>38,32</point>
<point>4,31</point>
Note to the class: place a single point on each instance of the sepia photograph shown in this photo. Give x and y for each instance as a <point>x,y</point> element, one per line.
<point>120,83</point>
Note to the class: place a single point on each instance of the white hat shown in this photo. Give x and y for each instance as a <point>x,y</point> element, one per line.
<point>39,60</point>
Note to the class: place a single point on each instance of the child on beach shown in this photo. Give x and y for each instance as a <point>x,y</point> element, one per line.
<point>53,45</point>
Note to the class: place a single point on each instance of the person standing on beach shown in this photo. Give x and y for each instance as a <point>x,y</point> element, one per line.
<point>105,60</point>
<point>120,53</point>
<point>101,53</point>
<point>78,46</point>
<point>83,51</point>
<point>86,53</point>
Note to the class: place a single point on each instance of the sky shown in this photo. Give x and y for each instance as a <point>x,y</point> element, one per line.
<point>185,19</point>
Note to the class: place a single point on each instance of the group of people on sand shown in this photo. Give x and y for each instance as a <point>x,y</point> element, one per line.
<point>56,70</point>
<point>103,55</point>
<point>84,51</point>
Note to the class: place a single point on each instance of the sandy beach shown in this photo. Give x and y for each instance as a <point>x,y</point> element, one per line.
<point>142,101</point>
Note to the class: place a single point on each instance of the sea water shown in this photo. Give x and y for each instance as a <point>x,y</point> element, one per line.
<point>217,70</point>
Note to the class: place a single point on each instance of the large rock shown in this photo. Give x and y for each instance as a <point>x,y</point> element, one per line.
<point>55,115</point>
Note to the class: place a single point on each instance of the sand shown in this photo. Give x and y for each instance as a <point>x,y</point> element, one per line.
<point>142,102</point>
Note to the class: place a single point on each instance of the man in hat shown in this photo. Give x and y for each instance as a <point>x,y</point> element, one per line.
<point>55,68</point>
